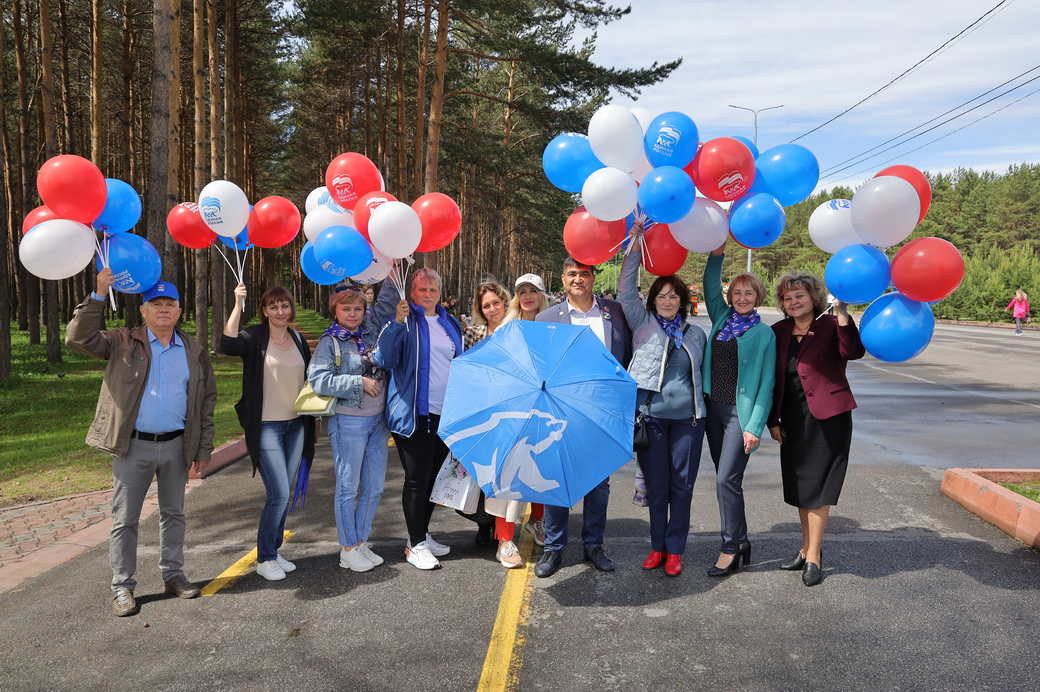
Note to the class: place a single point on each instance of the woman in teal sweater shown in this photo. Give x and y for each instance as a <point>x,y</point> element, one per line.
<point>738,373</point>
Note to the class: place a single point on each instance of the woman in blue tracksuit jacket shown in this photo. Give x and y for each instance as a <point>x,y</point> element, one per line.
<point>417,349</point>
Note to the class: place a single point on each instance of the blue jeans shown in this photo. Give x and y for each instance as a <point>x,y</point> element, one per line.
<point>359,454</point>
<point>281,447</point>
<point>726,443</point>
<point>594,520</point>
<point>669,468</point>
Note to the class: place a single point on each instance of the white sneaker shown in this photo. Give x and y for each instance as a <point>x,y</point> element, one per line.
<point>537,530</point>
<point>355,560</point>
<point>270,570</point>
<point>285,564</point>
<point>421,557</point>
<point>508,555</point>
<point>438,549</point>
<point>370,555</point>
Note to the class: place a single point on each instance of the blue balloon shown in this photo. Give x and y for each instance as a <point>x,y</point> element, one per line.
<point>895,328</point>
<point>568,160</point>
<point>239,242</point>
<point>134,262</point>
<point>342,251</point>
<point>670,140</point>
<point>789,171</point>
<point>666,194</point>
<point>756,219</point>
<point>122,208</point>
<point>748,143</point>
<point>312,270</point>
<point>857,274</point>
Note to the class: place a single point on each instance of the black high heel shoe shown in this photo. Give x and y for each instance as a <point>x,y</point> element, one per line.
<point>743,555</point>
<point>813,573</point>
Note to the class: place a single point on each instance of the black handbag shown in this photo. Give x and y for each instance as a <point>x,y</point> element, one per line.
<point>640,435</point>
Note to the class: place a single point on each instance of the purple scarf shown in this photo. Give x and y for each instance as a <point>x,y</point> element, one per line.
<point>673,327</point>
<point>736,324</point>
<point>338,331</point>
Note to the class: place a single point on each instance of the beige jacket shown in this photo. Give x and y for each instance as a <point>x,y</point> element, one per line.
<point>129,358</point>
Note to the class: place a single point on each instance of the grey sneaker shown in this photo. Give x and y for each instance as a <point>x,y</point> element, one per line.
<point>180,587</point>
<point>123,602</point>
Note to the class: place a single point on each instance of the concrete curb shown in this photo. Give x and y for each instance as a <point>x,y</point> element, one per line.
<point>224,455</point>
<point>978,492</point>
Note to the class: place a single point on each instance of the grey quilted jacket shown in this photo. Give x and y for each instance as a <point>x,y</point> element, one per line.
<point>650,343</point>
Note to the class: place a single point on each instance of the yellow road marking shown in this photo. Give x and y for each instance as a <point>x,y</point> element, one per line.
<point>236,571</point>
<point>502,662</point>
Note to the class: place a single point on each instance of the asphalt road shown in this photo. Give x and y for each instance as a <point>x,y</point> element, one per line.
<point>918,593</point>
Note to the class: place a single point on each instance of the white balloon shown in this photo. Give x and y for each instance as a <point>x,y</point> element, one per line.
<point>885,210</point>
<point>616,137</point>
<point>57,249</point>
<point>224,208</point>
<point>314,198</point>
<point>395,229</point>
<point>704,229</point>
<point>375,272</point>
<point>644,115</point>
<point>642,169</point>
<point>609,194</point>
<point>322,217</point>
<point>830,226</point>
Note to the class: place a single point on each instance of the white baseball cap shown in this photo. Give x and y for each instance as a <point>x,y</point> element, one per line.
<point>532,279</point>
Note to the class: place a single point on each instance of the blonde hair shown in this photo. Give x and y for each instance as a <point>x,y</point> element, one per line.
<point>812,286</point>
<point>1021,295</point>
<point>756,285</point>
<point>515,313</point>
<point>489,286</point>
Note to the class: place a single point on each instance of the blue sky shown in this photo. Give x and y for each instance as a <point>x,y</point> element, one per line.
<point>818,57</point>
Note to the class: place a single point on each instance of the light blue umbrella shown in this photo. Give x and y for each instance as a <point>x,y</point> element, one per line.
<point>539,412</point>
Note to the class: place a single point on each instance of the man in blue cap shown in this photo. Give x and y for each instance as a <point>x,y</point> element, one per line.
<point>155,416</point>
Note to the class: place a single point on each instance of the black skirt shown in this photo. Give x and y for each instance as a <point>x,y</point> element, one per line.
<point>815,453</point>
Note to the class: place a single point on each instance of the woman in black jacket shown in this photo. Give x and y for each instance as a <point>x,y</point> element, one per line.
<point>274,369</point>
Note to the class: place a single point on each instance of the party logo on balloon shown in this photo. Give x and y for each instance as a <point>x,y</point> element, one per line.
<point>838,204</point>
<point>192,207</point>
<point>344,187</point>
<point>326,200</point>
<point>732,184</point>
<point>332,269</point>
<point>668,138</point>
<point>124,281</point>
<point>210,210</point>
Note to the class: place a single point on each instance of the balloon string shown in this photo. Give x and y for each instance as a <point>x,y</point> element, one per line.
<point>238,261</point>
<point>226,260</point>
<point>646,250</point>
<point>103,256</point>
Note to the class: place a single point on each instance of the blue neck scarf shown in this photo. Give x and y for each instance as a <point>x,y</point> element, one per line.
<point>736,324</point>
<point>338,331</point>
<point>673,328</point>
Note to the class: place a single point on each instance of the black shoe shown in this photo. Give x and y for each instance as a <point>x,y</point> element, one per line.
<point>795,563</point>
<point>599,559</point>
<point>813,573</point>
<point>484,536</point>
<point>743,555</point>
<point>548,564</point>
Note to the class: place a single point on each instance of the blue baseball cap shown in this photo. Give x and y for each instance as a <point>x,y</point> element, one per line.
<point>162,289</point>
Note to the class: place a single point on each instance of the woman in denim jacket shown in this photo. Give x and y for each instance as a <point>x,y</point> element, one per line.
<point>357,431</point>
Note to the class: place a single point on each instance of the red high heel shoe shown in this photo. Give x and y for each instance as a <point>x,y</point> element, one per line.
<point>673,565</point>
<point>653,560</point>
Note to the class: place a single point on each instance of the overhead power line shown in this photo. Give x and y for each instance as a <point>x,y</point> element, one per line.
<point>863,155</point>
<point>907,71</point>
<point>951,132</point>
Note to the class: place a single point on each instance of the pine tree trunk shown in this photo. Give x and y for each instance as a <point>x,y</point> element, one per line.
<point>159,159</point>
<point>399,173</point>
<point>31,306</point>
<point>173,258</point>
<point>216,163</point>
<point>198,62</point>
<point>10,225</point>
<point>432,182</point>
<point>420,99</point>
<point>66,92</point>
<point>95,81</point>
<point>50,148</point>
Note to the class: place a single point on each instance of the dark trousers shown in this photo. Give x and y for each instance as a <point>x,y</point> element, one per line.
<point>421,456</point>
<point>669,467</point>
<point>726,443</point>
<point>594,520</point>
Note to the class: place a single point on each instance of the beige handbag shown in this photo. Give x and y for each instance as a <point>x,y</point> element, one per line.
<point>310,403</point>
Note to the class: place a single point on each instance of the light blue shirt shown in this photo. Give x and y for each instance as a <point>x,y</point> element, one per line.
<point>164,404</point>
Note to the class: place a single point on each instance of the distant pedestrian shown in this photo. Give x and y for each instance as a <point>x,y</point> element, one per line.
<point>155,416</point>
<point>811,415</point>
<point>1019,307</point>
<point>274,365</point>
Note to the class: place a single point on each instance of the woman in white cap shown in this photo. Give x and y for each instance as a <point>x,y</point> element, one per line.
<point>529,298</point>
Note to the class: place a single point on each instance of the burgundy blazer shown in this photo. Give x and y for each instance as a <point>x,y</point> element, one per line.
<point>822,358</point>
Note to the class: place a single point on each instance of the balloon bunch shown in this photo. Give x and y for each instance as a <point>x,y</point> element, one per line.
<point>59,239</point>
<point>898,325</point>
<point>356,229</point>
<point>634,165</point>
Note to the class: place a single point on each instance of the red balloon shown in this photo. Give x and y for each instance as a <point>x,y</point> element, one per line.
<point>366,204</point>
<point>72,187</point>
<point>349,177</point>
<point>187,227</point>
<point>36,217</point>
<point>723,169</point>
<point>441,220</point>
<point>662,255</point>
<point>591,241</point>
<point>927,269</point>
<point>915,178</point>
<point>273,222</point>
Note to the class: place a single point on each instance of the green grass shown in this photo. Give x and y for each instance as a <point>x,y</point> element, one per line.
<point>1028,489</point>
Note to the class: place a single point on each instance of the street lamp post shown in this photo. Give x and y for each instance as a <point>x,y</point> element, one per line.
<point>754,112</point>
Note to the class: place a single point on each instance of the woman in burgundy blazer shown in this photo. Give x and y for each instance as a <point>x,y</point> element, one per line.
<point>811,416</point>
